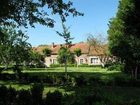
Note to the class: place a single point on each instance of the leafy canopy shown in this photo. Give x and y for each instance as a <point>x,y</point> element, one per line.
<point>64,55</point>
<point>29,12</point>
<point>77,52</point>
<point>124,34</point>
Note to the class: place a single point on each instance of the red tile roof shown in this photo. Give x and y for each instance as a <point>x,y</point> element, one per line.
<point>85,48</point>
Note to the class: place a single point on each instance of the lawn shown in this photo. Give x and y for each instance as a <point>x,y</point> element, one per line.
<point>114,93</point>
<point>72,71</point>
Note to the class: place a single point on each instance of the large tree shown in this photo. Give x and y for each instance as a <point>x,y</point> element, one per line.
<point>124,35</point>
<point>100,45</point>
<point>6,44</point>
<point>28,12</point>
<point>14,47</point>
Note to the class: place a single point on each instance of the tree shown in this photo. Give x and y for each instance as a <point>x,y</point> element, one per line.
<point>47,52</point>
<point>20,52</point>
<point>67,37</point>
<point>12,41</point>
<point>6,44</point>
<point>28,12</point>
<point>100,45</point>
<point>14,47</point>
<point>64,53</point>
<point>124,39</point>
<point>78,54</point>
<point>36,59</point>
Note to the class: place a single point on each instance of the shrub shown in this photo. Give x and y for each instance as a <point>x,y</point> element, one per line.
<point>36,93</point>
<point>54,98</point>
<point>86,65</point>
<point>56,65</point>
<point>116,67</point>
<point>120,81</point>
<point>80,80</point>
<point>84,97</point>
<point>11,96</point>
<point>62,65</point>
<point>24,97</point>
<point>3,95</point>
<point>95,81</point>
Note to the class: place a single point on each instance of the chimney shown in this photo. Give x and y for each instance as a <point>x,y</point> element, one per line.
<point>53,45</point>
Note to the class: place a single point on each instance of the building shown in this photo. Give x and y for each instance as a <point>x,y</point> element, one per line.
<point>91,55</point>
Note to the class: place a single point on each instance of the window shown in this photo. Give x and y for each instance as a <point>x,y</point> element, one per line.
<point>81,61</point>
<point>94,60</point>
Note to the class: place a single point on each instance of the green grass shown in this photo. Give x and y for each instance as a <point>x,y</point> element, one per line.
<point>113,93</point>
<point>87,72</point>
<point>74,71</point>
<point>70,69</point>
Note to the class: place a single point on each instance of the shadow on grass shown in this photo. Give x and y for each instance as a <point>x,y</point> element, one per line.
<point>74,74</point>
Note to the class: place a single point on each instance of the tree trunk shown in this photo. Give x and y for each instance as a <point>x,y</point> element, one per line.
<point>136,72</point>
<point>132,73</point>
<point>66,67</point>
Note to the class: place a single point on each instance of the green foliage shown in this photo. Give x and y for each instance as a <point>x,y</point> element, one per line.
<point>27,12</point>
<point>47,52</point>
<point>86,65</point>
<point>84,97</point>
<point>54,98</point>
<point>36,93</point>
<point>64,55</point>
<point>14,47</point>
<point>24,97</point>
<point>124,30</point>
<point>116,67</point>
<point>77,52</point>
<point>65,34</point>
<point>62,65</point>
<point>36,60</point>
<point>80,80</point>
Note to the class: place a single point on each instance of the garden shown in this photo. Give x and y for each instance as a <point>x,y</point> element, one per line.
<point>84,85</point>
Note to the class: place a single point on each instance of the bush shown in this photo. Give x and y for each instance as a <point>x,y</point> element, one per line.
<point>11,96</point>
<point>80,80</point>
<point>116,67</point>
<point>55,65</point>
<point>120,81</point>
<point>62,65</point>
<point>54,98</point>
<point>36,93</point>
<point>24,97</point>
<point>86,65</point>
<point>84,97</point>
<point>3,95</point>
<point>95,81</point>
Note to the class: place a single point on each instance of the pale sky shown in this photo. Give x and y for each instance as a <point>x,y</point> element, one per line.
<point>97,14</point>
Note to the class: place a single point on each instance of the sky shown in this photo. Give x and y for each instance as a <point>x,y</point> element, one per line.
<point>97,14</point>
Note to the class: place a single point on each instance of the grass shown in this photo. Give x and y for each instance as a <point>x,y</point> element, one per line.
<point>19,86</point>
<point>87,72</point>
<point>74,71</point>
<point>70,69</point>
<point>113,93</point>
